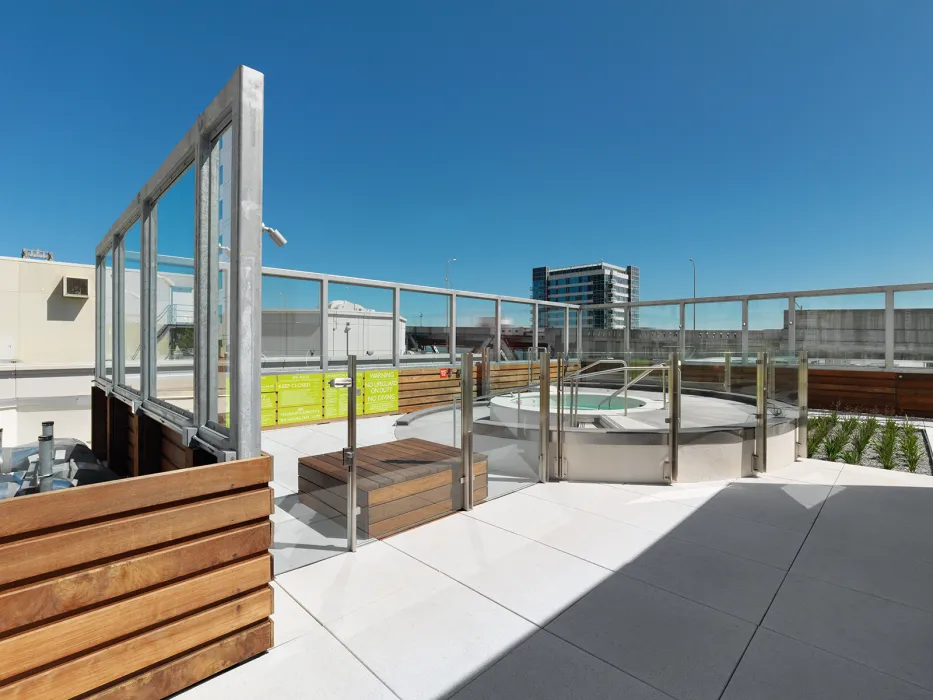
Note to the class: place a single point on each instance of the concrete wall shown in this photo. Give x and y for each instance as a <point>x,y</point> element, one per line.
<point>31,394</point>
<point>37,324</point>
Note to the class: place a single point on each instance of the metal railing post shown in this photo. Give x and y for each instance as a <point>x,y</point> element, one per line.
<point>727,379</point>
<point>803,410</point>
<point>466,430</point>
<point>761,427</point>
<point>561,359</point>
<point>889,329</point>
<point>544,413</point>
<point>744,332</point>
<point>673,442</point>
<point>350,454</point>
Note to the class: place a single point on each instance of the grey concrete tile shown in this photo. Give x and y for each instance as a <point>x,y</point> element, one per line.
<point>871,570</point>
<point>776,667</point>
<point>737,586</point>
<point>683,648</point>
<point>851,531</point>
<point>910,506</point>
<point>546,667</point>
<point>791,505</point>
<point>759,542</point>
<point>884,635</point>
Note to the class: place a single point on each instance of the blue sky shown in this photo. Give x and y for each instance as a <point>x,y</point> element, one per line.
<point>783,145</point>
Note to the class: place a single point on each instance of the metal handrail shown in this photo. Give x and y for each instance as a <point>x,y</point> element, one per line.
<point>628,384</point>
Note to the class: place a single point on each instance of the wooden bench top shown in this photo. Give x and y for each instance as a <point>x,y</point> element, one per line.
<point>391,463</point>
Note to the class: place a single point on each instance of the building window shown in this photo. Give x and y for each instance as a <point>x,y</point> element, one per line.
<point>220,210</point>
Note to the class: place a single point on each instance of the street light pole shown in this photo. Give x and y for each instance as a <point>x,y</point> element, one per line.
<point>694,293</point>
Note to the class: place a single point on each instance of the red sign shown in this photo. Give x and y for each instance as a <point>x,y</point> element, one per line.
<point>445,373</point>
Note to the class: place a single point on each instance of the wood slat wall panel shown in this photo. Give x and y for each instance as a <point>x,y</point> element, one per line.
<point>35,602</point>
<point>46,510</point>
<point>43,645</point>
<point>169,678</point>
<point>91,671</point>
<point>46,553</point>
<point>154,582</point>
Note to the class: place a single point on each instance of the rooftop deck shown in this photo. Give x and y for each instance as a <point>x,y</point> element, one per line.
<point>813,581</point>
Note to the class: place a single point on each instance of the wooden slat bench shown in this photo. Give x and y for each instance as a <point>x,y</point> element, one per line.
<point>400,484</point>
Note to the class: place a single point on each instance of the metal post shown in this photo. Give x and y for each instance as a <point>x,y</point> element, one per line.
<point>148,356</point>
<point>397,339</point>
<point>560,415</point>
<point>727,379</point>
<point>761,429</point>
<point>802,401</point>
<point>349,458</point>
<point>246,263</point>
<point>744,331</point>
<point>497,343</point>
<point>466,430</point>
<point>206,268</point>
<point>580,335</point>
<point>544,413</point>
<point>452,329</point>
<point>673,441</point>
<point>889,320</point>
<point>683,328</point>
<point>534,328</point>
<point>565,351</point>
<point>625,396</point>
<point>325,322</point>
<point>791,326</point>
<point>627,330</point>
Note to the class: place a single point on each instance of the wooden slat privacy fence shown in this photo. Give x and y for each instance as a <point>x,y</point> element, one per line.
<point>135,588</point>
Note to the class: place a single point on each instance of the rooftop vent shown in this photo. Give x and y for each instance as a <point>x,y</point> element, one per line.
<point>75,287</point>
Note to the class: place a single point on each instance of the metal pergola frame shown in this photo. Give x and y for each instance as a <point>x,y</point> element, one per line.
<point>239,105</point>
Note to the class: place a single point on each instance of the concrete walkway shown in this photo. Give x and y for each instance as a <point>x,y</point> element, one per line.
<point>812,582</point>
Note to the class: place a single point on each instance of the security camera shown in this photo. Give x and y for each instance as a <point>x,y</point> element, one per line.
<point>275,235</point>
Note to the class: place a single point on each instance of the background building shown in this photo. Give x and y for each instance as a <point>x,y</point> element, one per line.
<point>596,283</point>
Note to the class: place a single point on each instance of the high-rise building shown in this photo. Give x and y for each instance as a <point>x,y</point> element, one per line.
<point>596,283</point>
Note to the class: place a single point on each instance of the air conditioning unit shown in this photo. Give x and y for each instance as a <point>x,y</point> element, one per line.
<point>75,287</point>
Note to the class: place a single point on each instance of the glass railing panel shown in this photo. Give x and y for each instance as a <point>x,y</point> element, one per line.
<point>291,324</point>
<point>517,342</point>
<point>768,329</point>
<point>173,214</point>
<point>476,325</point>
<point>913,330</point>
<point>713,329</point>
<point>359,322</point>
<point>551,328</point>
<point>506,441</point>
<point>847,329</point>
<point>657,333</point>
<point>132,307</point>
<point>424,327</point>
<point>220,217</point>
